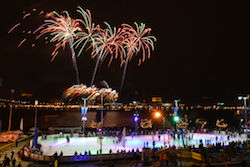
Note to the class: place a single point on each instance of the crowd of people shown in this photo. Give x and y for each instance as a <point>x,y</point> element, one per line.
<point>210,151</point>
<point>234,152</point>
<point>11,160</point>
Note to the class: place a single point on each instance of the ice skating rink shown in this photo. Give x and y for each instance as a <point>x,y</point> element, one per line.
<point>81,144</point>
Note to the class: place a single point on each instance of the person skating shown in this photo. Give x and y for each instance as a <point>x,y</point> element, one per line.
<point>68,140</point>
<point>153,144</point>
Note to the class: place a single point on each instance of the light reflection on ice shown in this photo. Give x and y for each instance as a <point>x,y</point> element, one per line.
<point>82,144</point>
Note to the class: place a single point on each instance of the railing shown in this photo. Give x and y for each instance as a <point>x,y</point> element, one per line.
<point>228,163</point>
<point>6,146</point>
<point>77,158</point>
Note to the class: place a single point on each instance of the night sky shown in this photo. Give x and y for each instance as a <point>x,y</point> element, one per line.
<point>201,54</point>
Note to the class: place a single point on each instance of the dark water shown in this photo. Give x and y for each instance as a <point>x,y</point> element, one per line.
<point>72,118</point>
<point>60,118</point>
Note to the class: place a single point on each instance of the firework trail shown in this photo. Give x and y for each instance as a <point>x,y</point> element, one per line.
<point>21,25</point>
<point>124,42</point>
<point>88,34</point>
<point>136,40</point>
<point>108,41</point>
<point>88,31</point>
<point>21,42</point>
<point>28,14</point>
<point>15,26</point>
<point>63,30</point>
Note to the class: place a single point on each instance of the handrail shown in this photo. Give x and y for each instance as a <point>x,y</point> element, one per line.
<point>27,137</point>
<point>44,158</point>
<point>6,145</point>
<point>227,163</point>
<point>13,143</point>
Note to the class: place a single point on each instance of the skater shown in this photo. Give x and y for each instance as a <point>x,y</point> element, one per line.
<point>159,137</point>
<point>153,144</point>
<point>68,140</point>
<point>61,154</point>
<point>147,144</point>
<point>55,155</point>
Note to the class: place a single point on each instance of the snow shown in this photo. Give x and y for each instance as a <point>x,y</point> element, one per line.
<point>81,144</point>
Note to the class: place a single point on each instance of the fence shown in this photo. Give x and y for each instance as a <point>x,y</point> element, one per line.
<point>78,158</point>
<point>7,146</point>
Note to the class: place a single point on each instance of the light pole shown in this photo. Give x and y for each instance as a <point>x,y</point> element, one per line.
<point>10,115</point>
<point>244,98</point>
<point>35,125</point>
<point>35,122</point>
<point>101,129</point>
<point>176,119</point>
<point>84,110</point>
<point>136,119</point>
<point>157,115</point>
<point>164,126</point>
<point>176,106</point>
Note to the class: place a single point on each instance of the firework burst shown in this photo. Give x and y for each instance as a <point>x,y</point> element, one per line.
<point>134,41</point>
<point>63,30</point>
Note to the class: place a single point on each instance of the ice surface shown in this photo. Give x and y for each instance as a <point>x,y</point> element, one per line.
<point>55,144</point>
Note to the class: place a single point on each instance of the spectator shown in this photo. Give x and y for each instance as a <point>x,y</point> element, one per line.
<point>7,160</point>
<point>11,154</point>
<point>16,142</point>
<point>50,164</point>
<point>19,164</point>
<point>13,162</point>
<point>19,154</point>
